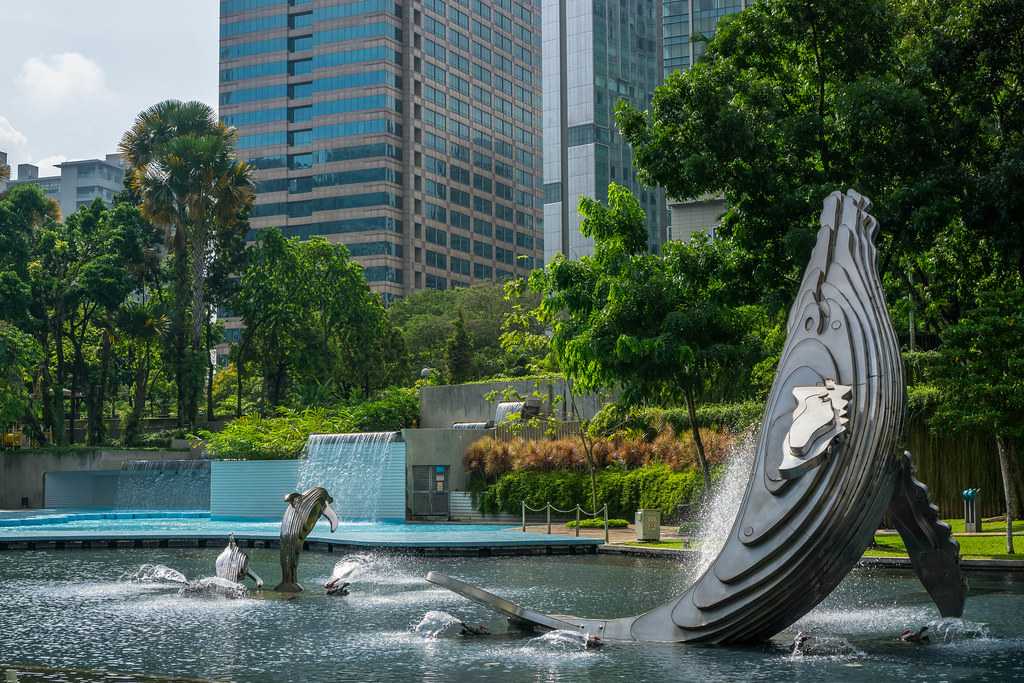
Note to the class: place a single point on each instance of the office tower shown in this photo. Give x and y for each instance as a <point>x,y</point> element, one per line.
<point>408,130</point>
<point>79,182</point>
<point>5,171</point>
<point>596,52</point>
<point>688,25</point>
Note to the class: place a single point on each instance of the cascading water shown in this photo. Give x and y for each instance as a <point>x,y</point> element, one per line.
<point>352,467</point>
<point>163,485</point>
<point>717,514</point>
<point>505,409</point>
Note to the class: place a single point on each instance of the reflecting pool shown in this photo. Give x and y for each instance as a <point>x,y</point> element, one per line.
<point>79,609</point>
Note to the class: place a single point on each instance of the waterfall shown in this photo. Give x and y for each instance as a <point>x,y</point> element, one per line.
<point>352,467</point>
<point>718,513</point>
<point>163,485</point>
<point>505,409</point>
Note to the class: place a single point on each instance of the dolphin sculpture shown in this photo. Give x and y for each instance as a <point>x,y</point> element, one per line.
<point>344,570</point>
<point>233,564</point>
<point>300,516</point>
<point>825,471</point>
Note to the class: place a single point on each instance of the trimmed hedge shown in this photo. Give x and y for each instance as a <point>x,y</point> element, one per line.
<point>649,487</point>
<point>598,523</point>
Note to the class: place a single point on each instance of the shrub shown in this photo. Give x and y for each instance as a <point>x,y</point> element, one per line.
<point>731,417</point>
<point>490,458</point>
<point>598,523</point>
<point>653,486</point>
<point>282,437</point>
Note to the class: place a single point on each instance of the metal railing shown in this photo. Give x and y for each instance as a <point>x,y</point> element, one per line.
<point>544,430</point>
<point>549,508</point>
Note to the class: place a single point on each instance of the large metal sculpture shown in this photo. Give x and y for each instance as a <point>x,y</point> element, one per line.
<point>826,468</point>
<point>301,515</point>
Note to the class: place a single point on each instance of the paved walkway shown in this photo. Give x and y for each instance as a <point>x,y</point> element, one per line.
<point>627,535</point>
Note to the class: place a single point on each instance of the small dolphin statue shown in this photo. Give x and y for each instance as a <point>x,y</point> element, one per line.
<point>301,515</point>
<point>338,583</point>
<point>233,564</point>
<point>909,635</point>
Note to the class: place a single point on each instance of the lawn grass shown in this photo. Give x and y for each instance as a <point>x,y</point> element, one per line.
<point>891,545</point>
<point>958,526</point>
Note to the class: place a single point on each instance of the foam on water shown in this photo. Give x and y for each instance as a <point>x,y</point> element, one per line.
<point>438,624</point>
<point>154,573</point>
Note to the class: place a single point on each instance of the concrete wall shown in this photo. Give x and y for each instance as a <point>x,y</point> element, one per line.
<point>439,447</point>
<point>251,488</point>
<point>22,471</point>
<point>441,406</point>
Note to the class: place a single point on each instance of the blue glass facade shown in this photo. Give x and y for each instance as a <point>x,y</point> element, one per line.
<point>687,27</point>
<point>330,99</point>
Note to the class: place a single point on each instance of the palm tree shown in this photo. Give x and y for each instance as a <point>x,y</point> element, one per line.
<point>184,168</point>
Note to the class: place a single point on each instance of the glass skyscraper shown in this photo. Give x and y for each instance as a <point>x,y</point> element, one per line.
<point>408,130</point>
<point>596,52</point>
<point>688,25</point>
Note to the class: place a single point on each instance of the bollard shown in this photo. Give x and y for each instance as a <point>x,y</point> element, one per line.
<point>972,522</point>
<point>577,520</point>
<point>548,508</point>
<point>524,516</point>
<point>606,523</point>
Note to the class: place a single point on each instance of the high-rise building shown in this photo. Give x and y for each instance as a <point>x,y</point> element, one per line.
<point>408,130</point>
<point>5,171</point>
<point>596,52</point>
<point>688,25</point>
<point>79,182</point>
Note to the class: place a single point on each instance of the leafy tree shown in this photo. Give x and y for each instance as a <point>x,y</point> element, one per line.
<point>19,357</point>
<point>654,328</point>
<point>458,354</point>
<point>313,326</point>
<point>793,100</point>
<point>980,378</point>
<point>184,169</point>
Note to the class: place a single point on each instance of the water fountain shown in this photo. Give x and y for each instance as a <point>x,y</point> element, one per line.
<point>364,472</point>
<point>163,485</point>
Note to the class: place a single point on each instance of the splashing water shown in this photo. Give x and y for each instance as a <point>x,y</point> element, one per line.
<point>953,630</point>
<point>717,514</point>
<point>563,641</point>
<point>154,573</point>
<point>438,624</point>
<point>213,586</point>
<point>352,467</point>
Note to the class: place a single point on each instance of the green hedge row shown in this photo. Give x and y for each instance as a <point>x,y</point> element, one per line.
<point>650,487</point>
<point>282,437</point>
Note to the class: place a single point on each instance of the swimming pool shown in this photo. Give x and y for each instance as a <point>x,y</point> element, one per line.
<point>88,525</point>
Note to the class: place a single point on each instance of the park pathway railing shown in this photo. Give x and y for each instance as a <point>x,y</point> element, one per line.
<point>549,508</point>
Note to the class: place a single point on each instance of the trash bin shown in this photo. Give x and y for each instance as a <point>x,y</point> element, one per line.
<point>648,525</point>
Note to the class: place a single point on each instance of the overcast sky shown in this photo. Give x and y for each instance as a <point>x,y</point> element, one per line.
<point>74,73</point>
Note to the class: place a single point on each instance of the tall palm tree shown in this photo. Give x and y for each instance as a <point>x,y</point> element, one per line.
<point>183,166</point>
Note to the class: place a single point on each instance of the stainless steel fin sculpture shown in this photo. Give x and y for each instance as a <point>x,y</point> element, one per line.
<point>826,467</point>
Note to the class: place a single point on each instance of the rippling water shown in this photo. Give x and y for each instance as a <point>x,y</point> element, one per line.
<point>72,610</point>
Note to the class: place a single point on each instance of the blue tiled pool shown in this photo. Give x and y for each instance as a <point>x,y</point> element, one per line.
<point>70,525</point>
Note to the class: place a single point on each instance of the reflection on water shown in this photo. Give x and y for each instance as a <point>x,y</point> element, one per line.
<point>73,610</point>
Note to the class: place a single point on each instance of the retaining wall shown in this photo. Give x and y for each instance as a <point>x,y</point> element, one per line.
<point>440,406</point>
<point>22,472</point>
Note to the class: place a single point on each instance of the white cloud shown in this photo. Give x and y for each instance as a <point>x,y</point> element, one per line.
<point>56,80</point>
<point>10,137</point>
<point>48,165</point>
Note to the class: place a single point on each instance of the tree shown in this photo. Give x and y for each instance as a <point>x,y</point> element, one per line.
<point>793,100</point>
<point>312,324</point>
<point>19,357</point>
<point>184,169</point>
<point>458,353</point>
<point>980,378</point>
<point>654,328</point>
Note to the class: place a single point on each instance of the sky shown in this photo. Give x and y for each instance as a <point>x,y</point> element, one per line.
<point>75,73</point>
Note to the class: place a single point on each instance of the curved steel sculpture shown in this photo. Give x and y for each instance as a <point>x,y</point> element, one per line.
<point>233,564</point>
<point>826,468</point>
<point>301,515</point>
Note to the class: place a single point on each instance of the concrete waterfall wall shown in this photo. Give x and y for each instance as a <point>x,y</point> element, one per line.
<point>441,406</point>
<point>256,488</point>
<point>22,471</point>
